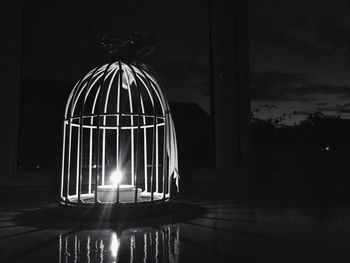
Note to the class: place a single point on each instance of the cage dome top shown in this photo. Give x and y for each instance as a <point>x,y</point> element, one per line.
<point>98,92</point>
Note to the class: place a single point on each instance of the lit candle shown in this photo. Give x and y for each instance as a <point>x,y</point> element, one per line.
<point>108,193</point>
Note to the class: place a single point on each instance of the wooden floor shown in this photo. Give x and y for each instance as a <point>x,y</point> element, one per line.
<point>231,222</point>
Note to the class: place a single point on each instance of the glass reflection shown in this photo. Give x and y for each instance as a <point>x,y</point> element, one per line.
<point>131,245</point>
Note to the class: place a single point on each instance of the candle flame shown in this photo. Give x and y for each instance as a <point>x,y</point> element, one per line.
<point>116,177</point>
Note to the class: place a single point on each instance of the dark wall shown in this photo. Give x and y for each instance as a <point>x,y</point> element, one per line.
<point>230,72</point>
<point>10,68</point>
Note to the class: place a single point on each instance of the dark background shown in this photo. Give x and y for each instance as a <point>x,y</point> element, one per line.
<point>298,82</point>
<point>62,42</point>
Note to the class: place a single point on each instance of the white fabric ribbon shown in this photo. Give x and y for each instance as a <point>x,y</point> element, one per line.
<point>171,143</point>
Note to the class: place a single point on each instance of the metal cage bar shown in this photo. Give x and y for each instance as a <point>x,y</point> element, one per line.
<point>148,88</point>
<point>132,164</point>
<point>70,140</point>
<point>80,142</point>
<point>98,132</point>
<point>137,131</point>
<point>120,84</point>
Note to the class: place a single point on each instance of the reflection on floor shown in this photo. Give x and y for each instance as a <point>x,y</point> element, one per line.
<point>131,245</point>
<point>239,223</point>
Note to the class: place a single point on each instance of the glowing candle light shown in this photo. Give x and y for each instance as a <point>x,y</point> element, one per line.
<point>116,177</point>
<point>108,193</point>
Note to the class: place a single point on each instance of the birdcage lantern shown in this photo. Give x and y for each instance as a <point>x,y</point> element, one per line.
<point>119,142</point>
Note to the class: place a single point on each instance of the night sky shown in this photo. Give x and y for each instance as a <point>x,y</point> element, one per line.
<point>299,50</point>
<point>299,58</point>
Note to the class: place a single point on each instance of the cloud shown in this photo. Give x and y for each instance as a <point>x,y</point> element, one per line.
<point>343,111</point>
<point>302,112</point>
<point>335,108</point>
<point>280,86</point>
<point>340,108</point>
<point>345,105</point>
<point>321,104</point>
<point>310,89</point>
<point>301,37</point>
<point>271,85</point>
<point>300,56</point>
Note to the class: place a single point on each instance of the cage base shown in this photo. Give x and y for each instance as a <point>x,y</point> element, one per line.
<point>111,197</point>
